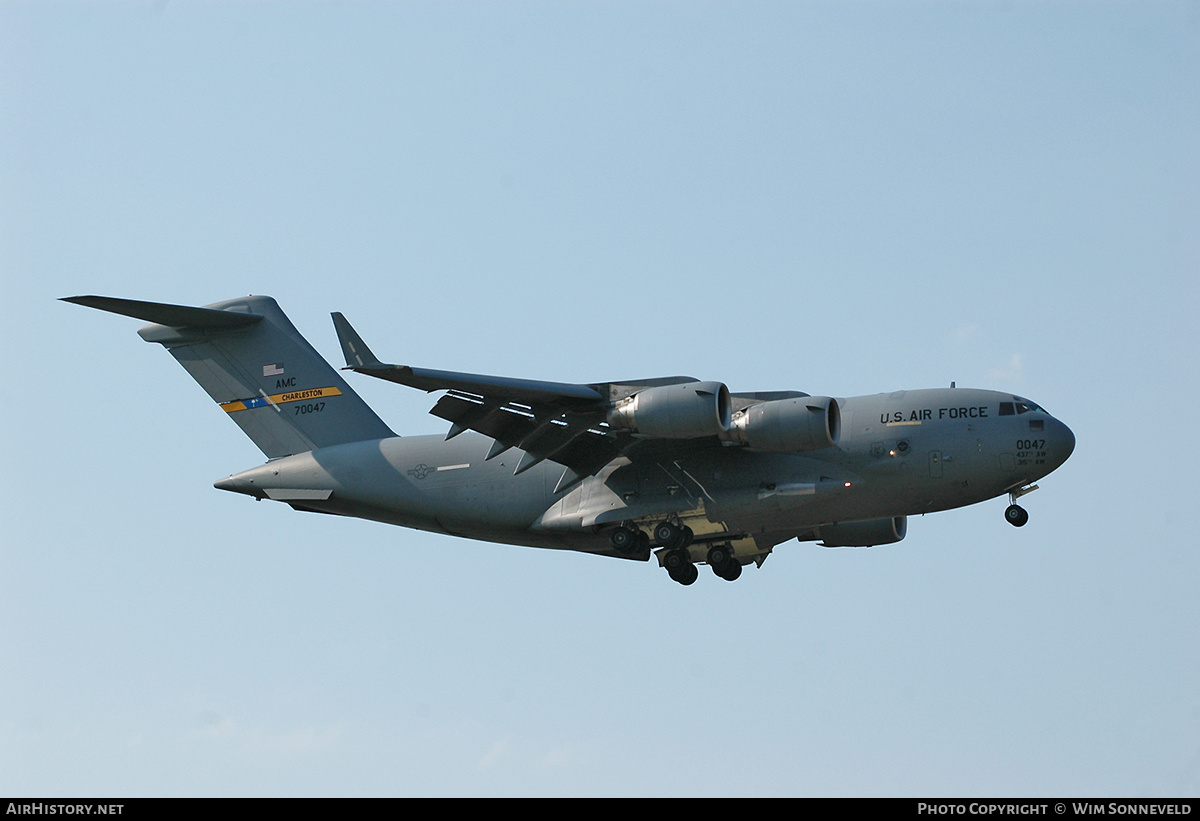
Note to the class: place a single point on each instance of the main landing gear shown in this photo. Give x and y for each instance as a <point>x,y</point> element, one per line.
<point>679,566</point>
<point>631,541</point>
<point>720,558</point>
<point>673,536</point>
<point>677,560</point>
<point>723,563</point>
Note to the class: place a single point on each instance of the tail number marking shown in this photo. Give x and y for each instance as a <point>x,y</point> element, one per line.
<point>1030,450</point>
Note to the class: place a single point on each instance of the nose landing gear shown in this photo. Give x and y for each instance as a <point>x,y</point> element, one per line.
<point>1014,514</point>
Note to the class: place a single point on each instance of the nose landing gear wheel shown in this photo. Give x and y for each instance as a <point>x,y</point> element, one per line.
<point>1016,515</point>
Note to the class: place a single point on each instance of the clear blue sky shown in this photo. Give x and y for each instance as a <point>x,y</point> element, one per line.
<point>837,198</point>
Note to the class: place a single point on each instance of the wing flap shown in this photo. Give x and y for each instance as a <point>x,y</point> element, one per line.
<point>587,453</point>
<point>559,421</point>
<point>572,440</point>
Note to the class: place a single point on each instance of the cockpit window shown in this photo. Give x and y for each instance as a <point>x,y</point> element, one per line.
<point>1006,409</point>
<point>1022,406</point>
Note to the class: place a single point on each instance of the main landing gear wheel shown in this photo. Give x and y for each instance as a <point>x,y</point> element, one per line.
<point>1016,515</point>
<point>622,539</point>
<point>687,575</point>
<point>730,571</point>
<point>630,541</point>
<point>667,534</point>
<point>679,567</point>
<point>718,555</point>
<point>724,565</point>
<point>670,535</point>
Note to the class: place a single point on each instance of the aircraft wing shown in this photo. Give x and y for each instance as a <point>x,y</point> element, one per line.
<point>359,358</point>
<point>562,422</point>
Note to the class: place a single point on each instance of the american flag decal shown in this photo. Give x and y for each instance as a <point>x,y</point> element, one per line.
<point>273,370</point>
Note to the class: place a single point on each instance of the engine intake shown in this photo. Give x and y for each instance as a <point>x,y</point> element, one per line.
<point>687,411</point>
<point>789,425</point>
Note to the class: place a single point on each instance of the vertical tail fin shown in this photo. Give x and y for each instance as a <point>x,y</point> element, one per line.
<point>252,361</point>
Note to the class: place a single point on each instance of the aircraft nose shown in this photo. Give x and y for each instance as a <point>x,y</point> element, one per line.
<point>1064,442</point>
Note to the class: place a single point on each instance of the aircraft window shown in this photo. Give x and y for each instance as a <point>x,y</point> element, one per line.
<point>1006,408</point>
<point>1025,406</point>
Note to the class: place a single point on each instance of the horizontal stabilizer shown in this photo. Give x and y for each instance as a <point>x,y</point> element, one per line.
<point>175,316</point>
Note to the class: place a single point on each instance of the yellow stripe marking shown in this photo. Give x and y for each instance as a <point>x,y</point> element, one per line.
<point>279,399</point>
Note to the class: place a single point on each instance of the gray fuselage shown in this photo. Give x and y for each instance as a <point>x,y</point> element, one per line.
<point>899,454</point>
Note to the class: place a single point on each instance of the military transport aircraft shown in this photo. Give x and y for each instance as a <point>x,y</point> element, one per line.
<point>672,466</point>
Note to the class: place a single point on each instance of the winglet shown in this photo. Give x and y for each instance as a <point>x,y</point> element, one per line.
<point>357,354</point>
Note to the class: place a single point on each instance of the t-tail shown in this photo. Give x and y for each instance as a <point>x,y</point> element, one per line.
<point>252,361</point>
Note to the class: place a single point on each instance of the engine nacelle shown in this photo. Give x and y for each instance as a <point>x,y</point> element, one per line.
<point>686,411</point>
<point>789,425</point>
<point>864,534</point>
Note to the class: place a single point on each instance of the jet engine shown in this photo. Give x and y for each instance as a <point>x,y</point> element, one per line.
<point>686,411</point>
<point>864,534</point>
<point>789,425</point>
